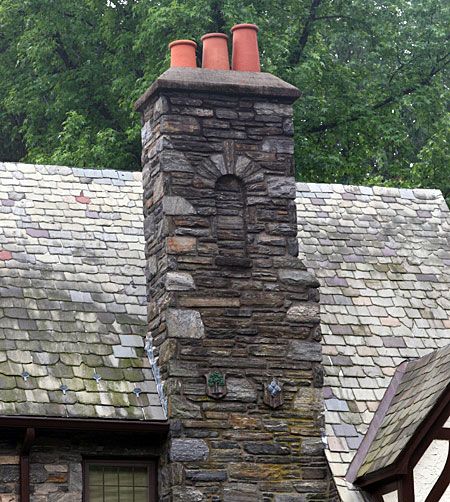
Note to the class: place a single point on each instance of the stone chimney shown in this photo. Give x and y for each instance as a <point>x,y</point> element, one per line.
<point>233,314</point>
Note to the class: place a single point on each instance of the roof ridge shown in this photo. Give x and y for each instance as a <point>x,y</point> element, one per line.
<point>85,172</point>
<point>404,193</point>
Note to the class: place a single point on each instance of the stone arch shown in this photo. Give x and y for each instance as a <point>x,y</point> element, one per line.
<point>229,162</point>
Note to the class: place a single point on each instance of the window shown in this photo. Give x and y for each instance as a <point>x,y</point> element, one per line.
<point>110,481</point>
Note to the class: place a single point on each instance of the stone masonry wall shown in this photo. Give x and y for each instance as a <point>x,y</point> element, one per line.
<point>250,314</point>
<point>56,462</point>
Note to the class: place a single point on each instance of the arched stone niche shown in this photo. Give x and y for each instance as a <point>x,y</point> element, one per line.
<point>230,222</point>
<point>232,176</point>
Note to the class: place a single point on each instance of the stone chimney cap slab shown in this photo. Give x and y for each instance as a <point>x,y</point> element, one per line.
<point>221,81</point>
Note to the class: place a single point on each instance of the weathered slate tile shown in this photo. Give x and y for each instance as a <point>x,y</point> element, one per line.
<point>382,261</point>
<point>70,243</point>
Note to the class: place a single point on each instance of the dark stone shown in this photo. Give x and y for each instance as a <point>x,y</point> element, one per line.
<point>207,475</point>
<point>188,450</point>
<point>234,262</point>
<point>266,449</point>
<point>318,375</point>
<point>9,473</point>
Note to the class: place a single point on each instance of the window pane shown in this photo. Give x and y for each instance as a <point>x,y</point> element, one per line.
<point>111,494</point>
<point>96,494</point>
<point>140,495</point>
<point>126,494</point>
<point>140,476</point>
<point>95,475</point>
<point>126,476</point>
<point>111,476</point>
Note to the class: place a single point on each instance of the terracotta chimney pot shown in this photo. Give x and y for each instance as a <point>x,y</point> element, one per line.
<point>182,53</point>
<point>215,51</point>
<point>245,48</point>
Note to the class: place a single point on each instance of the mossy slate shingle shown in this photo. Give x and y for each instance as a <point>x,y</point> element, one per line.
<point>72,298</point>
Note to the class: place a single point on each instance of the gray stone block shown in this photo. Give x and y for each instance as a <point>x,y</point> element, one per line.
<point>179,281</point>
<point>241,389</point>
<point>294,277</point>
<point>184,324</point>
<point>271,109</point>
<point>290,497</point>
<point>175,205</point>
<point>305,351</point>
<point>304,312</point>
<point>186,494</point>
<point>120,351</point>
<point>346,430</point>
<point>336,405</point>
<point>278,145</point>
<point>188,450</point>
<point>264,448</point>
<point>281,186</point>
<point>207,475</point>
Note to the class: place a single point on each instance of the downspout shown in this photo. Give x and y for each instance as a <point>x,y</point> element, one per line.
<point>24,467</point>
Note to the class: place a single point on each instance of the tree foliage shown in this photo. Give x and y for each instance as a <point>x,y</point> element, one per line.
<point>373,76</point>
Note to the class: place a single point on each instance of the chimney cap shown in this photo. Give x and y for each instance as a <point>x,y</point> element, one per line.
<point>184,42</point>
<point>244,25</point>
<point>237,83</point>
<point>215,35</point>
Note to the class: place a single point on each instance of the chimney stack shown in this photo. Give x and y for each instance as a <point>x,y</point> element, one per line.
<point>233,315</point>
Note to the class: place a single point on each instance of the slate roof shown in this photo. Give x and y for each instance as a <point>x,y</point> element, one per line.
<point>382,257</point>
<point>422,383</point>
<point>72,295</point>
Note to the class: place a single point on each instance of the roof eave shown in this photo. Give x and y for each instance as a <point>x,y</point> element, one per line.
<point>414,449</point>
<point>157,427</point>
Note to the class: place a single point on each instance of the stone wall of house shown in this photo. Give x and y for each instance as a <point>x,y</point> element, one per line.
<point>227,293</point>
<point>56,462</point>
<point>9,468</point>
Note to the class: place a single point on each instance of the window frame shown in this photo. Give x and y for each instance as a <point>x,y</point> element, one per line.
<point>150,463</point>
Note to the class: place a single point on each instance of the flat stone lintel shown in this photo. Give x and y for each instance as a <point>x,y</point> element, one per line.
<point>242,83</point>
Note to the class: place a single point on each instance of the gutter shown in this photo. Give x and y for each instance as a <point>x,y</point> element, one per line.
<point>157,427</point>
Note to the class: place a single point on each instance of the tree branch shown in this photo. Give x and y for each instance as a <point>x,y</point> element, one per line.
<point>336,16</point>
<point>388,100</point>
<point>298,50</point>
<point>217,16</point>
<point>72,16</point>
<point>62,53</point>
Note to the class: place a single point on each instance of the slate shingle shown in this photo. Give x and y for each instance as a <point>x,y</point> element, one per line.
<point>70,305</point>
<point>382,258</point>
